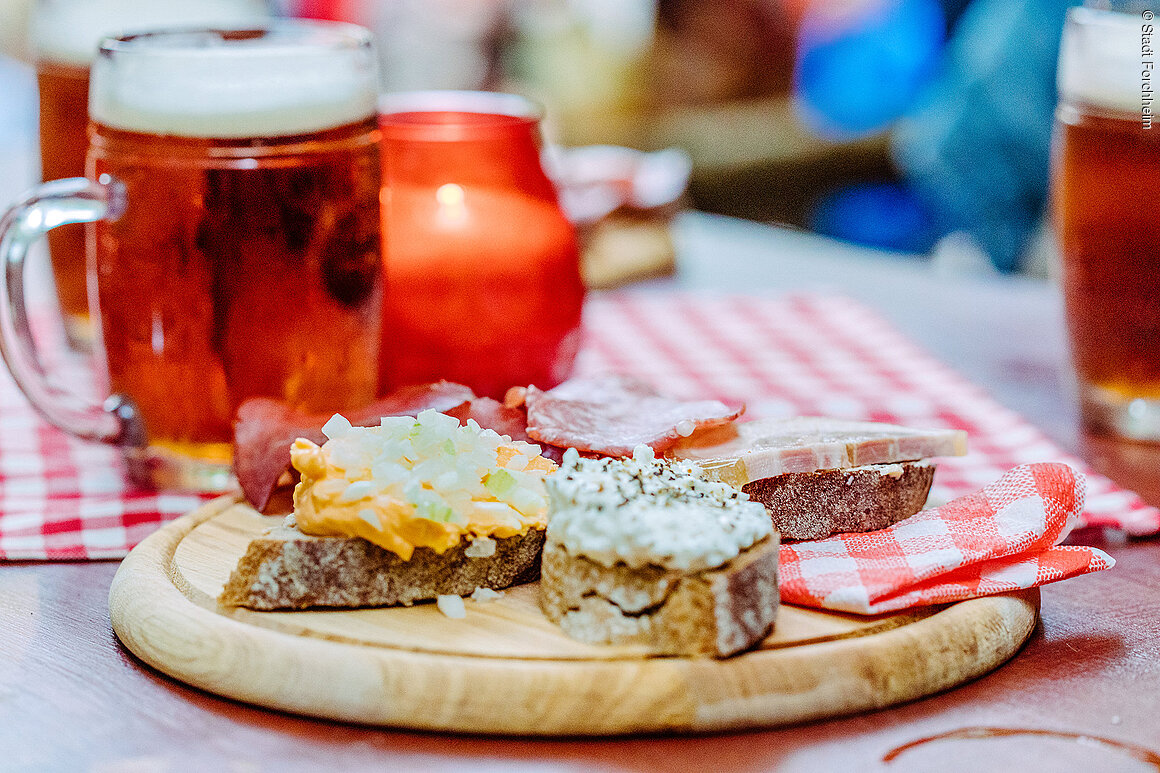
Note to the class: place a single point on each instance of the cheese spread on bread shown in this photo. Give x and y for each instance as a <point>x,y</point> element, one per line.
<point>418,482</point>
<point>645,510</point>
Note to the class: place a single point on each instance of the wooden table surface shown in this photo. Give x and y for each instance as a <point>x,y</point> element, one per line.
<point>71,698</point>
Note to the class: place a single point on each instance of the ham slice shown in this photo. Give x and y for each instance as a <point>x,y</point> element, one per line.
<point>264,429</point>
<point>755,450</point>
<point>613,415</point>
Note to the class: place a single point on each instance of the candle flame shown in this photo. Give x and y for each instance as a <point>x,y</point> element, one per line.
<point>451,199</point>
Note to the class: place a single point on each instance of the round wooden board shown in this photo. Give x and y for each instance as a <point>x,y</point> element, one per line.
<point>506,669</point>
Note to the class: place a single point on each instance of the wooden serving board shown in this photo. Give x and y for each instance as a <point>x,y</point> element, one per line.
<point>506,669</point>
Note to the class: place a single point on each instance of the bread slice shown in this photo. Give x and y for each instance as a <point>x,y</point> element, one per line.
<point>814,505</point>
<point>286,569</point>
<point>718,611</point>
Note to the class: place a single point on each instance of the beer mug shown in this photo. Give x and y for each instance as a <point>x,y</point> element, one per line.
<point>234,252</point>
<point>1105,199</point>
<point>65,35</point>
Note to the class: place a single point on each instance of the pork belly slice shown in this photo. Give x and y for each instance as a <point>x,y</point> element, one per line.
<point>744,452</point>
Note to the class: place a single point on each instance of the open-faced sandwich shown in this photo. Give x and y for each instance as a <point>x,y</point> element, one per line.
<point>651,552</point>
<point>413,509</point>
<point>819,476</point>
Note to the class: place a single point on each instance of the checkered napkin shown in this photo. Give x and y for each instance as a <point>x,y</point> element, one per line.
<point>61,498</point>
<point>999,539</point>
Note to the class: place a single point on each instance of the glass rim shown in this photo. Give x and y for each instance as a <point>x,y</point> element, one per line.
<point>511,111</point>
<point>323,34</point>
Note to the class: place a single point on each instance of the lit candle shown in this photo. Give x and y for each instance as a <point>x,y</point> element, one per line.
<point>482,266</point>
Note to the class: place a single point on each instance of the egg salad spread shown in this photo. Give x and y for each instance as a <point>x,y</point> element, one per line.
<point>418,482</point>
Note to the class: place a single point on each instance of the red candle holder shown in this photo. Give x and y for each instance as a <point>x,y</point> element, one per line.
<point>482,266</point>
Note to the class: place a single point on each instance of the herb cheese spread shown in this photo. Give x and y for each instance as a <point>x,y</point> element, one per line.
<point>645,510</point>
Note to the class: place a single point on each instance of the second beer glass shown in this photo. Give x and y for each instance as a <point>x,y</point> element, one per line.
<point>1105,199</point>
<point>65,36</point>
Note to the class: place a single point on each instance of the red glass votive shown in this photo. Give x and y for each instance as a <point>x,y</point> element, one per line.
<point>482,267</point>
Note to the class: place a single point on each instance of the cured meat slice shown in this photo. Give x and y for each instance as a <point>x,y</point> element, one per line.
<point>492,414</point>
<point>513,422</point>
<point>613,415</point>
<point>263,432</point>
<point>756,450</point>
<point>264,429</point>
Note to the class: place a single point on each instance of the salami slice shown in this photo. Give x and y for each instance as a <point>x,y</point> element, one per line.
<point>613,415</point>
<point>264,430</point>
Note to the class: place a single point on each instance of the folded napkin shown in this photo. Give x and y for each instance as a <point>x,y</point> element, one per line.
<point>1002,538</point>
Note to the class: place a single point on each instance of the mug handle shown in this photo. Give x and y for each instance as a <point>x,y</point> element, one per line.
<point>56,203</point>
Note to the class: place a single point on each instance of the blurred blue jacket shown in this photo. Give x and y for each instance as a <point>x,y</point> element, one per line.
<point>976,147</point>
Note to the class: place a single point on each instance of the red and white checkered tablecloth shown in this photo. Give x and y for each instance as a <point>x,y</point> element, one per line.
<point>828,355</point>
<point>61,498</point>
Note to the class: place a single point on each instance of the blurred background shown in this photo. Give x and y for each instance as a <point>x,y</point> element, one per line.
<point>910,126</point>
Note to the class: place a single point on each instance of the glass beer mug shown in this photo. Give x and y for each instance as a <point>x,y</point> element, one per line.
<point>1105,197</point>
<point>65,36</point>
<point>235,246</point>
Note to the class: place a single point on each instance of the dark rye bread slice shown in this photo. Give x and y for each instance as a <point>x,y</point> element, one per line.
<point>286,569</point>
<point>814,505</point>
<point>719,611</point>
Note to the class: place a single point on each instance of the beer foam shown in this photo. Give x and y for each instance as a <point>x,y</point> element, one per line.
<point>199,86</point>
<point>1099,60</point>
<point>70,32</point>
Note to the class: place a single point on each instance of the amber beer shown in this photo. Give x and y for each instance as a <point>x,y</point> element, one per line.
<point>1105,205</point>
<point>65,35</point>
<point>1108,213</point>
<point>241,267</point>
<point>64,96</point>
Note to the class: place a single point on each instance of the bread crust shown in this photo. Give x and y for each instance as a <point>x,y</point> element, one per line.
<point>718,611</point>
<point>814,505</point>
<point>286,569</point>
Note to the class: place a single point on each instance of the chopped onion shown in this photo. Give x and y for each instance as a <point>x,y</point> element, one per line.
<point>480,547</point>
<point>431,462</point>
<point>483,595</point>
<point>371,517</point>
<point>451,605</point>
<point>517,462</point>
<point>335,427</point>
<point>360,489</point>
